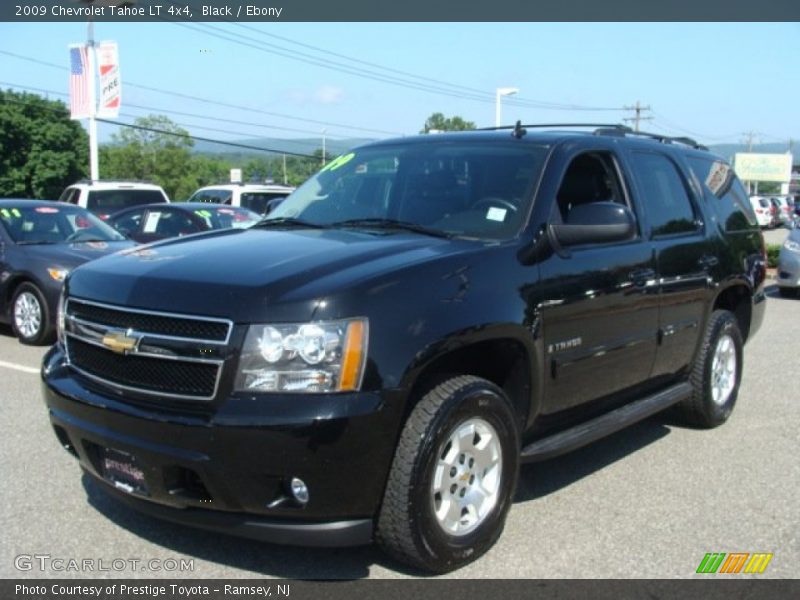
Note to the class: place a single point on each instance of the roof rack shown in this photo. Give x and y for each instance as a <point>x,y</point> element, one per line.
<point>88,180</point>
<point>614,129</point>
<point>547,125</point>
<point>666,139</point>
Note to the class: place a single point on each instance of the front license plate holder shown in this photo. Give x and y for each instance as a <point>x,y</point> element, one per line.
<point>122,471</point>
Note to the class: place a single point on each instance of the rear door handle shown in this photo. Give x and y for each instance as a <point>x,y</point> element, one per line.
<point>641,276</point>
<point>708,261</point>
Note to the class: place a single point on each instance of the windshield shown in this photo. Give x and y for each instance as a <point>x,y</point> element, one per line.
<point>461,189</point>
<point>51,225</point>
<point>226,217</point>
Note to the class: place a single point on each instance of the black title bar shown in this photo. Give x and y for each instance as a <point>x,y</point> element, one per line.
<point>408,10</point>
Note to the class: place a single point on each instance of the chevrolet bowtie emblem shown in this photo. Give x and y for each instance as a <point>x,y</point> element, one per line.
<point>119,342</point>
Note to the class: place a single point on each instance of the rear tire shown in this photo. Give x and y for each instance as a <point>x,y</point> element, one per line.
<point>453,477</point>
<point>788,292</point>
<point>30,316</point>
<point>716,374</point>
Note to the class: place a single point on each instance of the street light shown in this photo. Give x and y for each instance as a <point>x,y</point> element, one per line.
<point>506,91</point>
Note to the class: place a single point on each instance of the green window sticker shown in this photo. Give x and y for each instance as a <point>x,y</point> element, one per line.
<point>339,161</point>
<point>16,213</point>
<point>5,213</point>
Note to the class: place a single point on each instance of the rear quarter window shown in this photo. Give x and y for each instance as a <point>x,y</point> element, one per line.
<point>114,200</point>
<point>728,197</point>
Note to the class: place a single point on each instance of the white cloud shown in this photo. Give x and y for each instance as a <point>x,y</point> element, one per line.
<point>329,94</point>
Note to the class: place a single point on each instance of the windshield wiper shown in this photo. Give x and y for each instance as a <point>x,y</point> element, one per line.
<point>38,243</point>
<point>379,223</point>
<point>287,222</point>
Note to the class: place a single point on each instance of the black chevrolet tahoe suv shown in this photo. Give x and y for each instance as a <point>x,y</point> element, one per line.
<point>376,359</point>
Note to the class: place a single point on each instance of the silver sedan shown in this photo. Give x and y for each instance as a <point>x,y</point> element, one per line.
<point>789,265</point>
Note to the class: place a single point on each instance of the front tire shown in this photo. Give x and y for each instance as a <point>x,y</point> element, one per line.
<point>453,476</point>
<point>788,292</point>
<point>30,316</point>
<point>716,374</point>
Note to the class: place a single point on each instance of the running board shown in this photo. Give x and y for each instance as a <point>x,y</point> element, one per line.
<point>600,427</point>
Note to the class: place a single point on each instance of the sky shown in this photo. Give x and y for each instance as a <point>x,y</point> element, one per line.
<point>712,81</point>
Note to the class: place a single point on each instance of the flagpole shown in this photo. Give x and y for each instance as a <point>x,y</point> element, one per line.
<point>91,58</point>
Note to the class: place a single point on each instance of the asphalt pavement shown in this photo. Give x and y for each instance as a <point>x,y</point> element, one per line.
<point>647,502</point>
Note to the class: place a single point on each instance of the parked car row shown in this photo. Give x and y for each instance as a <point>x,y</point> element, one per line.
<point>42,241</point>
<point>774,211</point>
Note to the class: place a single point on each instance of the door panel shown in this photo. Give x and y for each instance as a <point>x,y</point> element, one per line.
<point>600,317</point>
<point>683,268</point>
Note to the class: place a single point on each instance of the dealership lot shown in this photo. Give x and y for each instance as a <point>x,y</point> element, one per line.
<point>650,501</point>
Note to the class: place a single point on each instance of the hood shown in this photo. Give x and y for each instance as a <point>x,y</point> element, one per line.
<point>74,254</point>
<point>250,274</point>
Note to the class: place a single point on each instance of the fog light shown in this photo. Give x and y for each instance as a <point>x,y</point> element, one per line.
<point>299,490</point>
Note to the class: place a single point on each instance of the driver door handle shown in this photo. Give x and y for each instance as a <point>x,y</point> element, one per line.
<point>641,276</point>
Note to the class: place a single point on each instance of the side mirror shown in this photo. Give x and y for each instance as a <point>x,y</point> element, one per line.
<point>596,223</point>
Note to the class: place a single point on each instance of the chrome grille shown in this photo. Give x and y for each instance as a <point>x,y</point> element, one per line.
<point>146,352</point>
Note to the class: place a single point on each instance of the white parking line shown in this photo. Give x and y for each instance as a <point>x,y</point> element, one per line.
<point>16,367</point>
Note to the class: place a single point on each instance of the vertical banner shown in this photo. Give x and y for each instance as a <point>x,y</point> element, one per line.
<point>110,83</point>
<point>80,106</point>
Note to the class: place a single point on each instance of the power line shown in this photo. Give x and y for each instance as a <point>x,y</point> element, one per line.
<point>470,93</point>
<point>329,64</point>
<point>212,102</point>
<point>204,139</point>
<point>181,113</point>
<point>64,111</point>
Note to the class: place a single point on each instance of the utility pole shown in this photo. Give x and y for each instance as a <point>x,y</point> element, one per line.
<point>749,138</point>
<point>637,108</point>
<point>94,169</point>
<point>324,131</point>
<point>285,178</point>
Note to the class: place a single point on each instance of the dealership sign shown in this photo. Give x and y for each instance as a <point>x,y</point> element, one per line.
<point>763,167</point>
<point>110,84</point>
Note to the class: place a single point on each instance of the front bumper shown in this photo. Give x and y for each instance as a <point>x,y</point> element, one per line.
<point>229,469</point>
<point>788,269</point>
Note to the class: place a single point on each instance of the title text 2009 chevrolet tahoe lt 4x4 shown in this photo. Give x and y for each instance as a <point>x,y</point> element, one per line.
<point>376,359</point>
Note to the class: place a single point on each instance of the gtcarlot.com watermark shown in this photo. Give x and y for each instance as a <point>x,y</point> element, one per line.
<point>48,563</point>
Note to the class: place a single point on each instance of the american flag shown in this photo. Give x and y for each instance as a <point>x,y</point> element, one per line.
<point>79,105</point>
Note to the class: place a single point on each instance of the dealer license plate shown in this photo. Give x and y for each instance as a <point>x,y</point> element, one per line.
<point>120,469</point>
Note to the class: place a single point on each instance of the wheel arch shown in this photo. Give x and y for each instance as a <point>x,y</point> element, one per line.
<point>505,360</point>
<point>737,297</point>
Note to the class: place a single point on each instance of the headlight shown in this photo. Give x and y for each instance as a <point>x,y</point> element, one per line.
<point>326,356</point>
<point>792,246</point>
<point>58,273</point>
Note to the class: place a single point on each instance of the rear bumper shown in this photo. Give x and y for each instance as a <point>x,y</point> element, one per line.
<point>230,470</point>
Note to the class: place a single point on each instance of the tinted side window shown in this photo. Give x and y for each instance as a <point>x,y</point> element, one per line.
<point>665,196</point>
<point>733,209</point>
<point>258,201</point>
<point>590,177</point>
<point>113,200</point>
<point>215,196</point>
<point>129,223</point>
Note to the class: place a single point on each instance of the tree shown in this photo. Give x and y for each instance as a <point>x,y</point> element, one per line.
<point>438,122</point>
<point>41,150</point>
<point>156,149</point>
